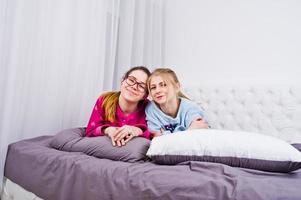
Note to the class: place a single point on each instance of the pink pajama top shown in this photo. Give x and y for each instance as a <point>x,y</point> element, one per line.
<point>97,122</point>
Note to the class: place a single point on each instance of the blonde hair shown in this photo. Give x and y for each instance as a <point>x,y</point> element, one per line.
<point>168,74</point>
<point>110,99</point>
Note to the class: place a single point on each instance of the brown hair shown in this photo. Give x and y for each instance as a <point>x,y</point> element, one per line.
<point>110,99</point>
<point>168,74</point>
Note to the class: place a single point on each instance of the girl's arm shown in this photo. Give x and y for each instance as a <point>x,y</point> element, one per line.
<point>195,117</point>
<point>198,124</point>
<point>153,124</point>
<point>97,124</point>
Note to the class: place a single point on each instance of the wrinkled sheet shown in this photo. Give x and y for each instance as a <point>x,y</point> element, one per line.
<point>53,174</point>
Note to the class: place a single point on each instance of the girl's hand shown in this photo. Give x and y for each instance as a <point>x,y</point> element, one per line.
<point>111,132</point>
<point>125,134</point>
<point>198,124</point>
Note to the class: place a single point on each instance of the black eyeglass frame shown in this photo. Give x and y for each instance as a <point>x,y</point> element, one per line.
<point>131,81</point>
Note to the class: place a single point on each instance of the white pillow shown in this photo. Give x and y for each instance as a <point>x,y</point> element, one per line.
<point>234,148</point>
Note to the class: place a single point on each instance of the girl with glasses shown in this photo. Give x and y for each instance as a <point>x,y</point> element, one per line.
<point>170,111</point>
<point>121,115</point>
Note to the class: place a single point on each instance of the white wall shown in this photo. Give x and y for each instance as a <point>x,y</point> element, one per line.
<point>230,42</point>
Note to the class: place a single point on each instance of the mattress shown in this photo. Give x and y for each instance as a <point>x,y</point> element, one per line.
<point>58,175</point>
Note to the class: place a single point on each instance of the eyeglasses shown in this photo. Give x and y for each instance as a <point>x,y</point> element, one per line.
<point>131,80</point>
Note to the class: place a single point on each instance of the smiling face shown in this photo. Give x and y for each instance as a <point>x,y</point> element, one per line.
<point>162,89</point>
<point>133,88</point>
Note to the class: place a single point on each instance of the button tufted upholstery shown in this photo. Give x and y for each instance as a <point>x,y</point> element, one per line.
<point>273,111</point>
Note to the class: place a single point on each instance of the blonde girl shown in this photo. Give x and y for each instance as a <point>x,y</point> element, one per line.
<point>170,110</point>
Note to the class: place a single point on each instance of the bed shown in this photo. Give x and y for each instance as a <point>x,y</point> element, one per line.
<point>36,170</point>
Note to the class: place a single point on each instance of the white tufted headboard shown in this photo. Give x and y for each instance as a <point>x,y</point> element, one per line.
<point>270,110</point>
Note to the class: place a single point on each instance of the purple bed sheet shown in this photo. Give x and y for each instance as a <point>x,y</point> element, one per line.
<point>57,175</point>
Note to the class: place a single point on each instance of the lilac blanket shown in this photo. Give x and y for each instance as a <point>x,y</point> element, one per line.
<point>57,175</point>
